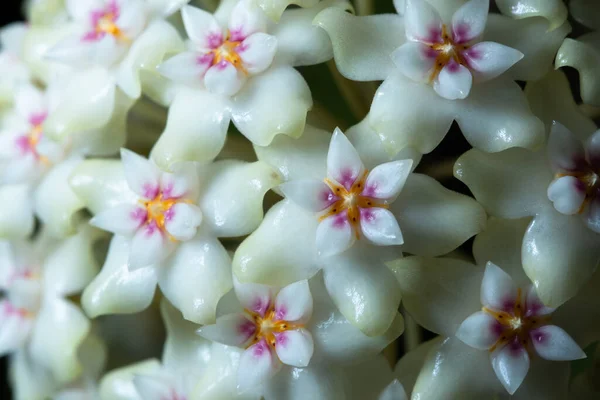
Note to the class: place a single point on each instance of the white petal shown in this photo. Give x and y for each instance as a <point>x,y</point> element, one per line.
<point>294,303</point>
<point>510,365</point>
<point>555,11</point>
<point>142,176</point>
<point>149,246</point>
<point>311,195</point>
<point>182,220</point>
<point>553,343</point>
<point>81,9</point>
<point>123,219</point>
<point>31,104</point>
<point>16,214</point>
<point>182,182</point>
<point>257,365</point>
<point>343,162</point>
<point>157,386</point>
<point>480,330</point>
<point>395,390</point>
<point>132,17</point>
<point>423,22</point>
<point>295,347</point>
<point>534,305</point>
<point>246,18</point>
<point>453,82</point>
<point>188,67</point>
<point>379,226</point>
<point>488,60</point>
<point>385,181</point>
<point>592,149</point>
<point>568,194</point>
<point>415,60</point>
<point>14,328</point>
<point>118,384</point>
<point>591,215</point>
<point>565,151</point>
<point>201,27</point>
<point>224,78</point>
<point>334,235</point>
<point>230,329</point>
<point>468,22</point>
<point>253,296</point>
<point>257,52</point>
<point>497,289</point>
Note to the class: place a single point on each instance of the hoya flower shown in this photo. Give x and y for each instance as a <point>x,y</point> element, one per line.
<point>583,52</point>
<point>41,329</point>
<point>239,67</point>
<point>555,184</point>
<point>497,335</point>
<point>13,70</point>
<point>457,62</point>
<point>166,227</point>
<point>338,218</point>
<point>292,328</point>
<point>34,169</point>
<point>555,11</point>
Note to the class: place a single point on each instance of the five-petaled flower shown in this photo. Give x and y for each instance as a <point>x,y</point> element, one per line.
<point>351,202</point>
<point>451,57</point>
<point>512,325</point>
<point>271,328</point>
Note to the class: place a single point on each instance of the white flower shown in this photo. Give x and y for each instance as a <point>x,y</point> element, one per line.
<point>555,11</point>
<point>295,328</point>
<point>560,249</point>
<point>495,114</point>
<point>13,70</point>
<point>451,57</point>
<point>166,227</point>
<point>513,324</point>
<point>351,201</point>
<point>239,68</point>
<point>433,220</point>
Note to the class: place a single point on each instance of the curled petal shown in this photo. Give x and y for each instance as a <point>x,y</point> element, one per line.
<point>568,194</point>
<point>202,28</point>
<point>182,221</point>
<point>488,60</point>
<point>534,305</point>
<point>183,182</point>
<point>246,18</point>
<point>453,82</point>
<point>254,297</point>
<point>224,79</point>
<point>149,246</point>
<point>415,60</point>
<point>311,195</point>
<point>334,235</point>
<point>385,181</point>
<point>124,219</point>
<point>257,365</point>
<point>230,329</point>
<point>141,174</point>
<point>257,52</point>
<point>294,347</point>
<point>294,303</point>
<point>553,343</point>
<point>479,330</point>
<point>468,22</point>
<point>565,151</point>
<point>379,226</point>
<point>497,289</point>
<point>343,162</point>
<point>188,67</point>
<point>423,22</point>
<point>555,11</point>
<point>511,364</point>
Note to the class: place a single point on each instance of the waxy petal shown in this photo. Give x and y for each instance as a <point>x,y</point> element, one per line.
<point>511,364</point>
<point>488,60</point>
<point>555,11</point>
<point>468,22</point>
<point>380,227</point>
<point>533,304</point>
<point>30,103</point>
<point>183,220</point>
<point>254,297</point>
<point>149,245</point>
<point>312,195</point>
<point>224,79</point>
<point>202,28</point>
<point>565,151</point>
<point>124,219</point>
<point>141,174</point>
<point>188,67</point>
<point>386,181</point>
<point>14,328</point>
<point>553,343</point>
<point>592,149</point>
<point>453,82</point>
<point>294,303</point>
<point>343,162</point>
<point>591,215</point>
<point>294,347</point>
<point>16,214</point>
<point>498,290</point>
<point>230,329</point>
<point>423,22</point>
<point>257,52</point>
<point>246,18</point>
<point>182,182</point>
<point>257,365</point>
<point>480,330</point>
<point>394,391</point>
<point>568,194</point>
<point>415,60</point>
<point>132,17</point>
<point>334,235</point>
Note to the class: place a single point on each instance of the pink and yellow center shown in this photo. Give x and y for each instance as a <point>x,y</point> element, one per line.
<point>158,210</point>
<point>106,24</point>
<point>445,52</point>
<point>228,52</point>
<point>590,183</point>
<point>268,327</point>
<point>351,201</point>
<point>28,143</point>
<point>515,325</point>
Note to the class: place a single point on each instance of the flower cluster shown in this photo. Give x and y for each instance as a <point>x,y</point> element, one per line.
<point>205,148</point>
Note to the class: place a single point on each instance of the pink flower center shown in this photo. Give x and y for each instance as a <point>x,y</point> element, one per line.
<point>28,143</point>
<point>104,22</point>
<point>160,210</point>
<point>589,182</point>
<point>228,52</point>
<point>447,52</point>
<point>269,327</point>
